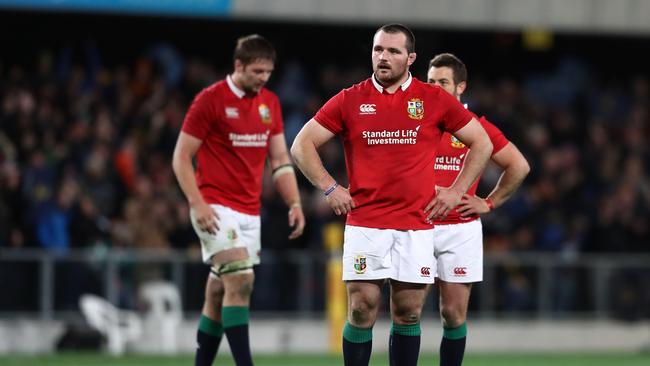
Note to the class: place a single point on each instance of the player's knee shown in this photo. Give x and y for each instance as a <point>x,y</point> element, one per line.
<point>360,316</point>
<point>361,311</point>
<point>452,316</point>
<point>406,315</point>
<point>245,289</point>
<point>215,292</point>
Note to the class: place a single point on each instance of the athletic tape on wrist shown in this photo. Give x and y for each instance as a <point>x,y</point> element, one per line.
<point>282,170</point>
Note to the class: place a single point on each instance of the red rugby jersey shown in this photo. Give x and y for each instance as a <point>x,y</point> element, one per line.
<point>390,145</point>
<point>450,159</point>
<point>235,130</point>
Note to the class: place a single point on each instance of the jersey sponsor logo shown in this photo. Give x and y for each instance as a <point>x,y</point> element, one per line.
<point>456,143</point>
<point>415,108</point>
<point>265,114</point>
<point>452,163</point>
<point>425,271</point>
<point>391,137</point>
<point>232,112</point>
<point>249,139</point>
<point>360,264</point>
<point>367,109</point>
<point>460,271</point>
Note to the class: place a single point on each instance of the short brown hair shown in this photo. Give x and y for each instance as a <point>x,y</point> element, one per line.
<point>253,47</point>
<point>454,63</point>
<point>400,28</point>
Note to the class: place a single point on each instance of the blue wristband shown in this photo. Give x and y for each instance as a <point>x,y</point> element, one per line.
<point>331,189</point>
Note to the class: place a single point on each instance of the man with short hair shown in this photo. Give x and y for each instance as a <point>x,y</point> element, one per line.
<point>390,125</point>
<point>231,128</point>
<point>458,237</point>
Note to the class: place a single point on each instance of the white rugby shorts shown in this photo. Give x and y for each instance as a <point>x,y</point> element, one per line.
<point>236,230</point>
<point>458,250</point>
<point>402,255</point>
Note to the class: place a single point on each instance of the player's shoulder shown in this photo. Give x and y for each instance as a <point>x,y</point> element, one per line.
<point>362,87</point>
<point>209,95</point>
<point>429,90</point>
<point>215,88</point>
<point>421,85</point>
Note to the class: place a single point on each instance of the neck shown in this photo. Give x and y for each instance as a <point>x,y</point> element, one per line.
<point>235,77</point>
<point>392,88</point>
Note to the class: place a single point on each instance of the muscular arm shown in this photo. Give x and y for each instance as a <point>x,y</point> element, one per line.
<point>186,147</point>
<point>284,180</point>
<point>305,154</point>
<point>515,169</point>
<point>474,136</point>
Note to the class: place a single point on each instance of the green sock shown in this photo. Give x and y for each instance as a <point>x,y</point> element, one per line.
<point>233,316</point>
<point>452,345</point>
<point>356,335</point>
<point>357,345</point>
<point>406,329</point>
<point>211,327</point>
<point>455,333</point>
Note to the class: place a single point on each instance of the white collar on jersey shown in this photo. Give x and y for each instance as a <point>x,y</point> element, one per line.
<point>235,90</point>
<point>380,88</point>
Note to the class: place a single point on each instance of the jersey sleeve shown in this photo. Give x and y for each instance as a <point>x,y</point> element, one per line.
<point>330,115</point>
<point>198,117</point>
<point>455,115</point>
<point>498,139</point>
<point>278,121</point>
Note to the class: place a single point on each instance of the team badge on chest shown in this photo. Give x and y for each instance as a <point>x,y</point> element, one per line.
<point>415,108</point>
<point>265,114</point>
<point>456,142</point>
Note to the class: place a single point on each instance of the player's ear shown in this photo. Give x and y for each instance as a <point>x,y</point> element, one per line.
<point>460,88</point>
<point>411,58</point>
<point>239,66</point>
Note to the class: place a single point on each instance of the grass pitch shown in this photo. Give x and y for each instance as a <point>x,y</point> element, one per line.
<point>88,359</point>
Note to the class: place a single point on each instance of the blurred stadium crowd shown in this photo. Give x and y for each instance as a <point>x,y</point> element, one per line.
<point>86,144</point>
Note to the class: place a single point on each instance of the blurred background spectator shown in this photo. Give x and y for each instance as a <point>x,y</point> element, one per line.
<point>90,110</point>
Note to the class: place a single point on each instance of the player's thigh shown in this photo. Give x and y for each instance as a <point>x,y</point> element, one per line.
<point>240,283</point>
<point>365,291</point>
<point>364,298</point>
<point>407,300</point>
<point>458,249</point>
<point>454,301</point>
<point>454,295</point>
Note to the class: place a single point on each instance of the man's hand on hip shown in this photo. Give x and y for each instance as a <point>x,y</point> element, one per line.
<point>206,217</point>
<point>340,201</point>
<point>446,200</point>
